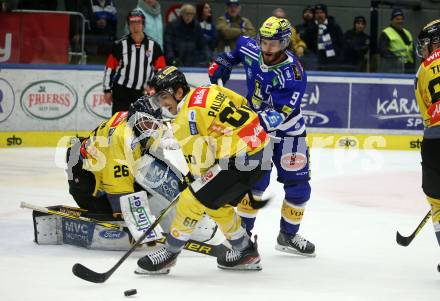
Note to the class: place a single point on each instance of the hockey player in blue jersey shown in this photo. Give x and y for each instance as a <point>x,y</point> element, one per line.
<point>276,83</point>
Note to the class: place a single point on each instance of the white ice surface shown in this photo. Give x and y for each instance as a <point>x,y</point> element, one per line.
<point>359,200</point>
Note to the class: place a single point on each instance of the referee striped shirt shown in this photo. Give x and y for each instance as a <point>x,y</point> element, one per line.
<point>132,65</point>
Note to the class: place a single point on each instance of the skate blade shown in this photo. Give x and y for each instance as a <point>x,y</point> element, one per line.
<point>141,271</point>
<point>291,250</point>
<point>254,266</point>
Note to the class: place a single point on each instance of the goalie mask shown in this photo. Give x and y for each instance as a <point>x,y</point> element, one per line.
<point>146,118</point>
<point>428,37</point>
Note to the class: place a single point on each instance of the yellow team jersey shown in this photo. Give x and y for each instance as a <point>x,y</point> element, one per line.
<point>427,90</point>
<point>111,154</point>
<point>214,123</point>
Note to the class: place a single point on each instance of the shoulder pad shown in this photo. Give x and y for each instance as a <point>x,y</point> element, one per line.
<point>247,42</point>
<point>433,57</point>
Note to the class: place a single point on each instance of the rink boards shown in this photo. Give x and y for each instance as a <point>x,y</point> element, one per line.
<point>45,105</point>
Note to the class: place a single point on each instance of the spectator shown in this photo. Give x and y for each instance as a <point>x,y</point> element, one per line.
<point>327,36</point>
<point>131,64</point>
<point>4,6</point>
<point>305,31</point>
<point>184,42</point>
<point>296,44</point>
<point>103,19</point>
<point>231,26</point>
<point>356,45</point>
<point>204,16</point>
<point>396,46</point>
<point>153,26</point>
<point>308,17</point>
<point>102,33</point>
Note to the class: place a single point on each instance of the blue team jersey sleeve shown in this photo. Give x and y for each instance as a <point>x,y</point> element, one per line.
<point>236,56</point>
<point>287,98</point>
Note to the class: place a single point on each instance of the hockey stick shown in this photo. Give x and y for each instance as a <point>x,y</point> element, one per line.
<point>87,274</point>
<point>406,240</point>
<point>66,215</point>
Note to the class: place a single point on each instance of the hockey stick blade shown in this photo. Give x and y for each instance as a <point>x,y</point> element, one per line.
<point>86,274</point>
<point>406,240</point>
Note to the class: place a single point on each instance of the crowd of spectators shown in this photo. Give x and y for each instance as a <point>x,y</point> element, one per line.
<point>194,37</point>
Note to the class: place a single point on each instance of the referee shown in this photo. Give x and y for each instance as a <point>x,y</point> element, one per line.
<point>131,64</point>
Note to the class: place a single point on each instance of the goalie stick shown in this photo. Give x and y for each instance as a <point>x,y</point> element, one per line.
<point>406,240</point>
<point>63,214</point>
<point>87,274</point>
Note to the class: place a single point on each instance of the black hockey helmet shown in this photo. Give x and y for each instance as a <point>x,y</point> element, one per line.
<point>428,36</point>
<point>135,14</point>
<point>169,79</point>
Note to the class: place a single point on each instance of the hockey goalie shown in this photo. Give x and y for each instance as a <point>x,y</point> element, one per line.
<point>121,175</point>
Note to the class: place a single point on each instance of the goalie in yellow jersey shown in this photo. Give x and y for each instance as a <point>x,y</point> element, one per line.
<point>427,90</point>
<point>224,146</point>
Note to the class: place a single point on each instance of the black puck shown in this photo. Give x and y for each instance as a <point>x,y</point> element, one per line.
<point>438,268</point>
<point>130,292</point>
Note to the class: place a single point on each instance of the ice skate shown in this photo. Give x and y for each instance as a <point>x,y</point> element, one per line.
<point>158,261</point>
<point>247,259</point>
<point>295,244</point>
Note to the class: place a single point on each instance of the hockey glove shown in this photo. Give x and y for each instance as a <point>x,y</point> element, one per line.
<point>270,120</point>
<point>219,69</point>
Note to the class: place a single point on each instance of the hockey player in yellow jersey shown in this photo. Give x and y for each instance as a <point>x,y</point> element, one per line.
<point>102,167</point>
<point>427,90</point>
<point>224,145</point>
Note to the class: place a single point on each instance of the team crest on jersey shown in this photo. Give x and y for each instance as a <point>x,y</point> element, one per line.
<point>198,98</point>
<point>296,72</point>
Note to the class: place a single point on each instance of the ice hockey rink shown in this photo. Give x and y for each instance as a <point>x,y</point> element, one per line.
<point>359,199</point>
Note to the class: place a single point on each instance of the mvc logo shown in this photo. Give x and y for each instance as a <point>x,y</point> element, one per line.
<point>399,108</point>
<point>313,117</point>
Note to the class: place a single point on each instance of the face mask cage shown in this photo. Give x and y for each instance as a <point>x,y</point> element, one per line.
<point>426,43</point>
<point>284,41</point>
<point>156,102</point>
<point>147,125</point>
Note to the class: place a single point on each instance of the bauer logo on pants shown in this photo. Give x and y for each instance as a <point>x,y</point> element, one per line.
<point>293,161</point>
